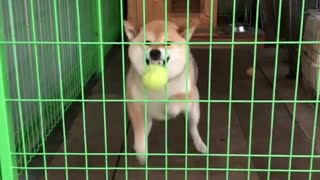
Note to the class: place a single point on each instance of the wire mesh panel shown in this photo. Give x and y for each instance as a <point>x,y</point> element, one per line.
<point>240,118</point>
<point>42,73</point>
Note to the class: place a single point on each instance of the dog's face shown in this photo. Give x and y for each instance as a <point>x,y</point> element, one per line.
<point>174,56</point>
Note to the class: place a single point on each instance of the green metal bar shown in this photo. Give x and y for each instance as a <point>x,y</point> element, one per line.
<point>146,93</point>
<point>161,43</point>
<point>177,169</point>
<point>274,87</point>
<point>34,34</point>
<point>253,88</point>
<point>187,90</point>
<point>179,154</point>
<point>294,113</point>
<point>32,125</point>
<point>231,87</point>
<point>123,61</point>
<point>104,109</point>
<point>163,100</point>
<point>7,143</point>
<point>57,37</point>
<point>16,73</point>
<point>82,90</point>
<point>209,91</point>
<point>166,90</point>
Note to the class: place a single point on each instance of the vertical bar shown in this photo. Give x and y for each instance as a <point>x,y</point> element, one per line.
<point>296,89</point>
<point>274,88</point>
<point>187,90</point>
<point>34,34</point>
<point>146,94</point>
<point>7,143</point>
<point>16,67</point>
<point>57,38</point>
<point>66,48</point>
<point>82,89</point>
<point>230,87</point>
<point>46,93</point>
<point>212,6</point>
<point>32,125</point>
<point>253,88</point>
<point>104,109</point>
<point>124,91</point>
<point>73,62</point>
<point>166,90</point>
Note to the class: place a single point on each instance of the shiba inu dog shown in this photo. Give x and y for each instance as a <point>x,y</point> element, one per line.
<point>182,81</point>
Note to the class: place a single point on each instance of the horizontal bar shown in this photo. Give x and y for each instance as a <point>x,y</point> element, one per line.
<point>172,154</point>
<point>159,43</point>
<point>163,100</point>
<point>166,168</point>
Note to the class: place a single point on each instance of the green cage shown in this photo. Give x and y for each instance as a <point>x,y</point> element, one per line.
<point>257,120</point>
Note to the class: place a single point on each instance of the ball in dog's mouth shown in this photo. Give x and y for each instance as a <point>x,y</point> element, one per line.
<point>162,62</point>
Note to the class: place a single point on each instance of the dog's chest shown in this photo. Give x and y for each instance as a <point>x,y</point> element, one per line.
<point>156,105</point>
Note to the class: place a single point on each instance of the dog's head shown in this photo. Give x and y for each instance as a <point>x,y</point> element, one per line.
<point>174,56</point>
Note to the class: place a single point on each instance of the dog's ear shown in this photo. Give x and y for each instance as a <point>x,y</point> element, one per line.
<point>130,30</point>
<point>182,30</point>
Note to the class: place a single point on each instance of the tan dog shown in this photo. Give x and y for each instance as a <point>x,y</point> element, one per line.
<point>176,62</point>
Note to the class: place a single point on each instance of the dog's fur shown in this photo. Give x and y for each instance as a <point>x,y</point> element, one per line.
<point>177,73</point>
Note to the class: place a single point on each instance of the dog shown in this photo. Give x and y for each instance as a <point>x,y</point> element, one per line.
<point>175,59</point>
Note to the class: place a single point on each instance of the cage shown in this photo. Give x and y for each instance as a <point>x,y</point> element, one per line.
<point>64,99</point>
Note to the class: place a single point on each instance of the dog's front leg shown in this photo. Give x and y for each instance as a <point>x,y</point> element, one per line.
<point>136,113</point>
<point>194,118</point>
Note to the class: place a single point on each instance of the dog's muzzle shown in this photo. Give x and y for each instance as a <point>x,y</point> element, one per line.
<point>155,57</point>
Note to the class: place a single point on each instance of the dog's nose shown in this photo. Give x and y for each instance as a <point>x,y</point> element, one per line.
<point>155,54</point>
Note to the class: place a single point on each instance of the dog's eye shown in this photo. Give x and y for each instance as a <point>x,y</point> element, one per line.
<point>169,43</point>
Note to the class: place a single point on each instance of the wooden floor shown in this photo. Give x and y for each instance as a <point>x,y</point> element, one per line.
<point>221,114</point>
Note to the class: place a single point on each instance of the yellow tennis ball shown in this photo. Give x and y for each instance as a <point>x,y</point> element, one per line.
<point>155,77</point>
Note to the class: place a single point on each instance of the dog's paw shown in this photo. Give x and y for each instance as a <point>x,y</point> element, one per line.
<point>141,157</point>
<point>141,160</point>
<point>201,147</point>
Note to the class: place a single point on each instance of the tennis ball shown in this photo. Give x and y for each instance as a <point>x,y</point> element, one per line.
<point>155,77</point>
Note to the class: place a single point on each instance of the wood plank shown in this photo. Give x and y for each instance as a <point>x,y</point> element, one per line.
<point>207,9</point>
<point>139,7</point>
<point>158,8</point>
<point>132,12</point>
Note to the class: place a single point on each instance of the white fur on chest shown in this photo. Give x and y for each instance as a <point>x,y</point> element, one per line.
<point>156,110</point>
